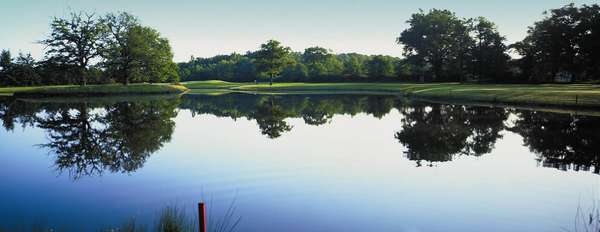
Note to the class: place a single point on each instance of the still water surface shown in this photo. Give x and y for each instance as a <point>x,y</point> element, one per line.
<point>295,163</point>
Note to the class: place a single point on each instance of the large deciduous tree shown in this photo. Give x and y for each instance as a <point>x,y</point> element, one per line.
<point>75,41</point>
<point>153,56</point>
<point>136,53</point>
<point>320,62</point>
<point>272,58</point>
<point>488,52</point>
<point>119,60</point>
<point>440,39</point>
<point>588,31</point>
<point>564,45</point>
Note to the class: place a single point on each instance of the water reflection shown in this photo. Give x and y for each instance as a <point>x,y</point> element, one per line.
<point>437,133</point>
<point>87,138</point>
<point>430,132</point>
<point>561,141</point>
<point>270,119</point>
<point>90,137</point>
<point>270,112</point>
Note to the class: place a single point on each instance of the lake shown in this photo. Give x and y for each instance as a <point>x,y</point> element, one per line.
<point>295,163</point>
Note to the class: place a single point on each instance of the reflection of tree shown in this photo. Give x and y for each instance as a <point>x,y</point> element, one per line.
<point>270,112</point>
<point>134,132</point>
<point>318,112</point>
<point>561,141</point>
<point>7,114</point>
<point>270,119</point>
<point>74,140</point>
<point>379,106</point>
<point>486,125</point>
<point>312,116</point>
<point>437,133</point>
<point>432,134</point>
<point>119,137</point>
<point>89,138</point>
<point>15,112</point>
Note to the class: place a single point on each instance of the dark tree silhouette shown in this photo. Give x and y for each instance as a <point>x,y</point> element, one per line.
<point>271,119</point>
<point>75,41</point>
<point>74,140</point>
<point>270,112</point>
<point>87,140</point>
<point>134,131</point>
<point>437,133</point>
<point>561,141</point>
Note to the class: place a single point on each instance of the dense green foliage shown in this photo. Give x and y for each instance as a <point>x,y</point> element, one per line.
<point>564,46</point>
<point>21,70</point>
<point>315,64</point>
<point>85,48</point>
<point>271,58</point>
<point>447,48</point>
<point>74,41</point>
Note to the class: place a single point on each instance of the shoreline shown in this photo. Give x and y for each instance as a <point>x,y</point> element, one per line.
<point>554,95</point>
<point>92,90</point>
<point>559,97</point>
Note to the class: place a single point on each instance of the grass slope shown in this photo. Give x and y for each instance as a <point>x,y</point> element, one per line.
<point>214,84</point>
<point>573,95</point>
<point>93,90</point>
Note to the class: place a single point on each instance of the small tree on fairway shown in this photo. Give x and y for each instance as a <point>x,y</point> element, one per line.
<point>272,58</point>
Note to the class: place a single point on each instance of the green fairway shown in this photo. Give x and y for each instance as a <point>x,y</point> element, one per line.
<point>94,90</point>
<point>581,95</point>
<point>213,84</point>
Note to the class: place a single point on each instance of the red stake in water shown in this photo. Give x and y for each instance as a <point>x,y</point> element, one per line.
<point>201,217</point>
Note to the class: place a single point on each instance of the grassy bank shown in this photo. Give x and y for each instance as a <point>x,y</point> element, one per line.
<point>557,95</point>
<point>93,90</point>
<point>570,95</point>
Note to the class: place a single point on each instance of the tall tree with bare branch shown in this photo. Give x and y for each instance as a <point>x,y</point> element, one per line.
<point>75,41</point>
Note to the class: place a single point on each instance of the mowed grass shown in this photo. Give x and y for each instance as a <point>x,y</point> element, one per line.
<point>581,95</point>
<point>213,84</point>
<point>11,90</point>
<point>94,90</point>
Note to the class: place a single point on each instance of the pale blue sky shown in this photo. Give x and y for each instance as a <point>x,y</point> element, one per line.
<point>211,27</point>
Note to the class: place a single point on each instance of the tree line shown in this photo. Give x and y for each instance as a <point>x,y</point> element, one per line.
<point>274,60</point>
<point>438,46</point>
<point>85,48</point>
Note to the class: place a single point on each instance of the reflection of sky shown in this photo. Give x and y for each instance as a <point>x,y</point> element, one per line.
<point>346,175</point>
<point>211,27</point>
